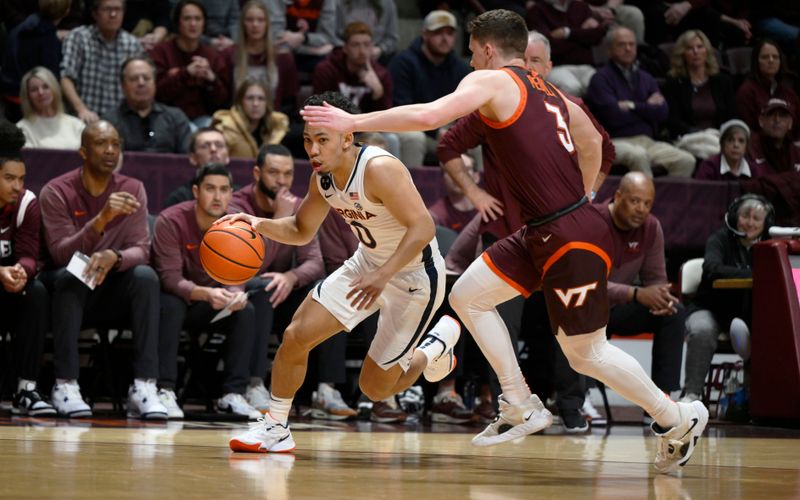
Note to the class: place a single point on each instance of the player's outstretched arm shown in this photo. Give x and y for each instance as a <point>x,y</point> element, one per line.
<point>471,94</point>
<point>298,229</point>
<point>390,183</point>
<point>588,143</point>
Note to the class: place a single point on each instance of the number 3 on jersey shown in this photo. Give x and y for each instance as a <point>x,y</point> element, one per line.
<point>364,235</point>
<point>561,128</point>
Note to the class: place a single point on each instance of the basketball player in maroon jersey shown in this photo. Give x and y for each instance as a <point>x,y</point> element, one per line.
<point>548,154</point>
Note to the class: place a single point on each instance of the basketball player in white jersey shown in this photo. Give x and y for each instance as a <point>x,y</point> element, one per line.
<point>396,269</point>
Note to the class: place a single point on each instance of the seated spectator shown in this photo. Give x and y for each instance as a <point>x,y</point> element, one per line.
<point>307,29</point>
<point>32,43</point>
<point>24,304</point>
<point>649,307</point>
<point>669,18</point>
<point>251,122</point>
<point>767,80</point>
<point>222,22</point>
<point>147,20</point>
<point>773,145</point>
<point>700,97</point>
<point>732,162</point>
<point>352,71</point>
<point>44,122</point>
<point>572,32</point>
<point>627,101</point>
<point>294,270</point>
<point>381,15</point>
<point>454,210</point>
<point>89,87</point>
<point>147,125</point>
<point>255,57</point>
<point>190,298</point>
<point>728,254</point>
<point>735,28</point>
<point>95,211</point>
<point>207,145</point>
<point>190,75</point>
<point>617,12</point>
<point>427,70</point>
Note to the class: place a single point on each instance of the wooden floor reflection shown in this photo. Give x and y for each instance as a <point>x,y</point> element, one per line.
<point>173,461</point>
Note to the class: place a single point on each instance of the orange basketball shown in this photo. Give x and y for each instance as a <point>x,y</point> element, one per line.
<point>232,253</point>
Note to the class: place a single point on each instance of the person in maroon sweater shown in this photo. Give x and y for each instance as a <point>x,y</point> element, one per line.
<point>294,270</point>
<point>190,75</point>
<point>572,32</point>
<point>639,256</point>
<point>102,214</point>
<point>551,164</point>
<point>454,210</point>
<point>24,303</point>
<point>773,145</point>
<point>190,298</point>
<point>351,71</point>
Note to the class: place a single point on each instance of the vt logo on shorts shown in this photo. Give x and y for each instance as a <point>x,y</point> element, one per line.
<point>580,292</point>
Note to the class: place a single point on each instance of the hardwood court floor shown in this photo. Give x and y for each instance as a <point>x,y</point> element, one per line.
<point>119,459</point>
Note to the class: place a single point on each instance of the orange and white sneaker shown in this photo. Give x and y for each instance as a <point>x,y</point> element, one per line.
<point>266,435</point>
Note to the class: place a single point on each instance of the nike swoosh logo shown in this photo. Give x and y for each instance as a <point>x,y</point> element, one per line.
<point>529,415</point>
<point>412,290</point>
<point>328,195</point>
<point>546,239</point>
<point>190,246</point>
<point>694,423</point>
<point>4,229</point>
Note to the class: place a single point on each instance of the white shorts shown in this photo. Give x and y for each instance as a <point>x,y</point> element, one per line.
<point>407,305</point>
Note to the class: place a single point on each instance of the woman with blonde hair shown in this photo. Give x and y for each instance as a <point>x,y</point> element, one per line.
<point>251,122</point>
<point>255,57</point>
<point>700,97</point>
<point>44,122</point>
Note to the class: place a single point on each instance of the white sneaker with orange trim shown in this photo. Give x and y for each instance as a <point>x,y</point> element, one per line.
<point>266,435</point>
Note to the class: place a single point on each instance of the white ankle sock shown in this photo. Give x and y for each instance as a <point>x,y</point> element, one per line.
<point>279,408</point>
<point>22,384</point>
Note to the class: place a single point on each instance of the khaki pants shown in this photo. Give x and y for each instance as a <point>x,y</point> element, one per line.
<point>639,153</point>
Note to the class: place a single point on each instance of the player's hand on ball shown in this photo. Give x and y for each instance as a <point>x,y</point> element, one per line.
<point>231,218</point>
<point>366,289</point>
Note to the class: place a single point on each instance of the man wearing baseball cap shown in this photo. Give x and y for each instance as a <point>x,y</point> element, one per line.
<point>426,71</point>
<point>773,143</point>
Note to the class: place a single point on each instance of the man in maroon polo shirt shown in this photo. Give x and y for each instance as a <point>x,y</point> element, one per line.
<point>103,215</point>
<point>24,302</point>
<point>191,298</point>
<point>287,280</point>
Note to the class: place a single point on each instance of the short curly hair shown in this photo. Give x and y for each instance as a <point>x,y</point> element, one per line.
<point>11,141</point>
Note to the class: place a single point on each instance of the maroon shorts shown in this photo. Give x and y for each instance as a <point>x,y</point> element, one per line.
<point>569,259</point>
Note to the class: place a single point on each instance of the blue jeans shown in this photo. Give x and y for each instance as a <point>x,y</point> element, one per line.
<point>777,29</point>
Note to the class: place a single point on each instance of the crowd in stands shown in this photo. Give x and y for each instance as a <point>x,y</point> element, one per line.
<point>705,89</point>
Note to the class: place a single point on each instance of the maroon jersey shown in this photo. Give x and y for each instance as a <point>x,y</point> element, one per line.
<point>304,261</point>
<point>535,154</point>
<point>19,233</point>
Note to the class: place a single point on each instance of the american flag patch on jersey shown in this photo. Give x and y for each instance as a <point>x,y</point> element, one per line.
<point>353,196</point>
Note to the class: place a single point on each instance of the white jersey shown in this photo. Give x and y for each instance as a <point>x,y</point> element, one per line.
<point>377,230</point>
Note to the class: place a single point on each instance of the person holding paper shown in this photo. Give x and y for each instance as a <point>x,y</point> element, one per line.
<point>191,299</point>
<point>94,211</point>
<point>23,298</point>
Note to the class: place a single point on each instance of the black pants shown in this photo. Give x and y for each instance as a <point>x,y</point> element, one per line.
<point>239,329</point>
<point>26,314</point>
<point>668,331</point>
<point>125,299</point>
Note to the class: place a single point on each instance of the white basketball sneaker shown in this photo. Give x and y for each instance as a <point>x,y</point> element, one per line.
<point>236,404</point>
<point>676,445</point>
<point>267,435</point>
<point>515,421</point>
<point>68,401</point>
<point>441,340</point>
<point>144,402</point>
<point>170,402</point>
<point>258,397</point>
